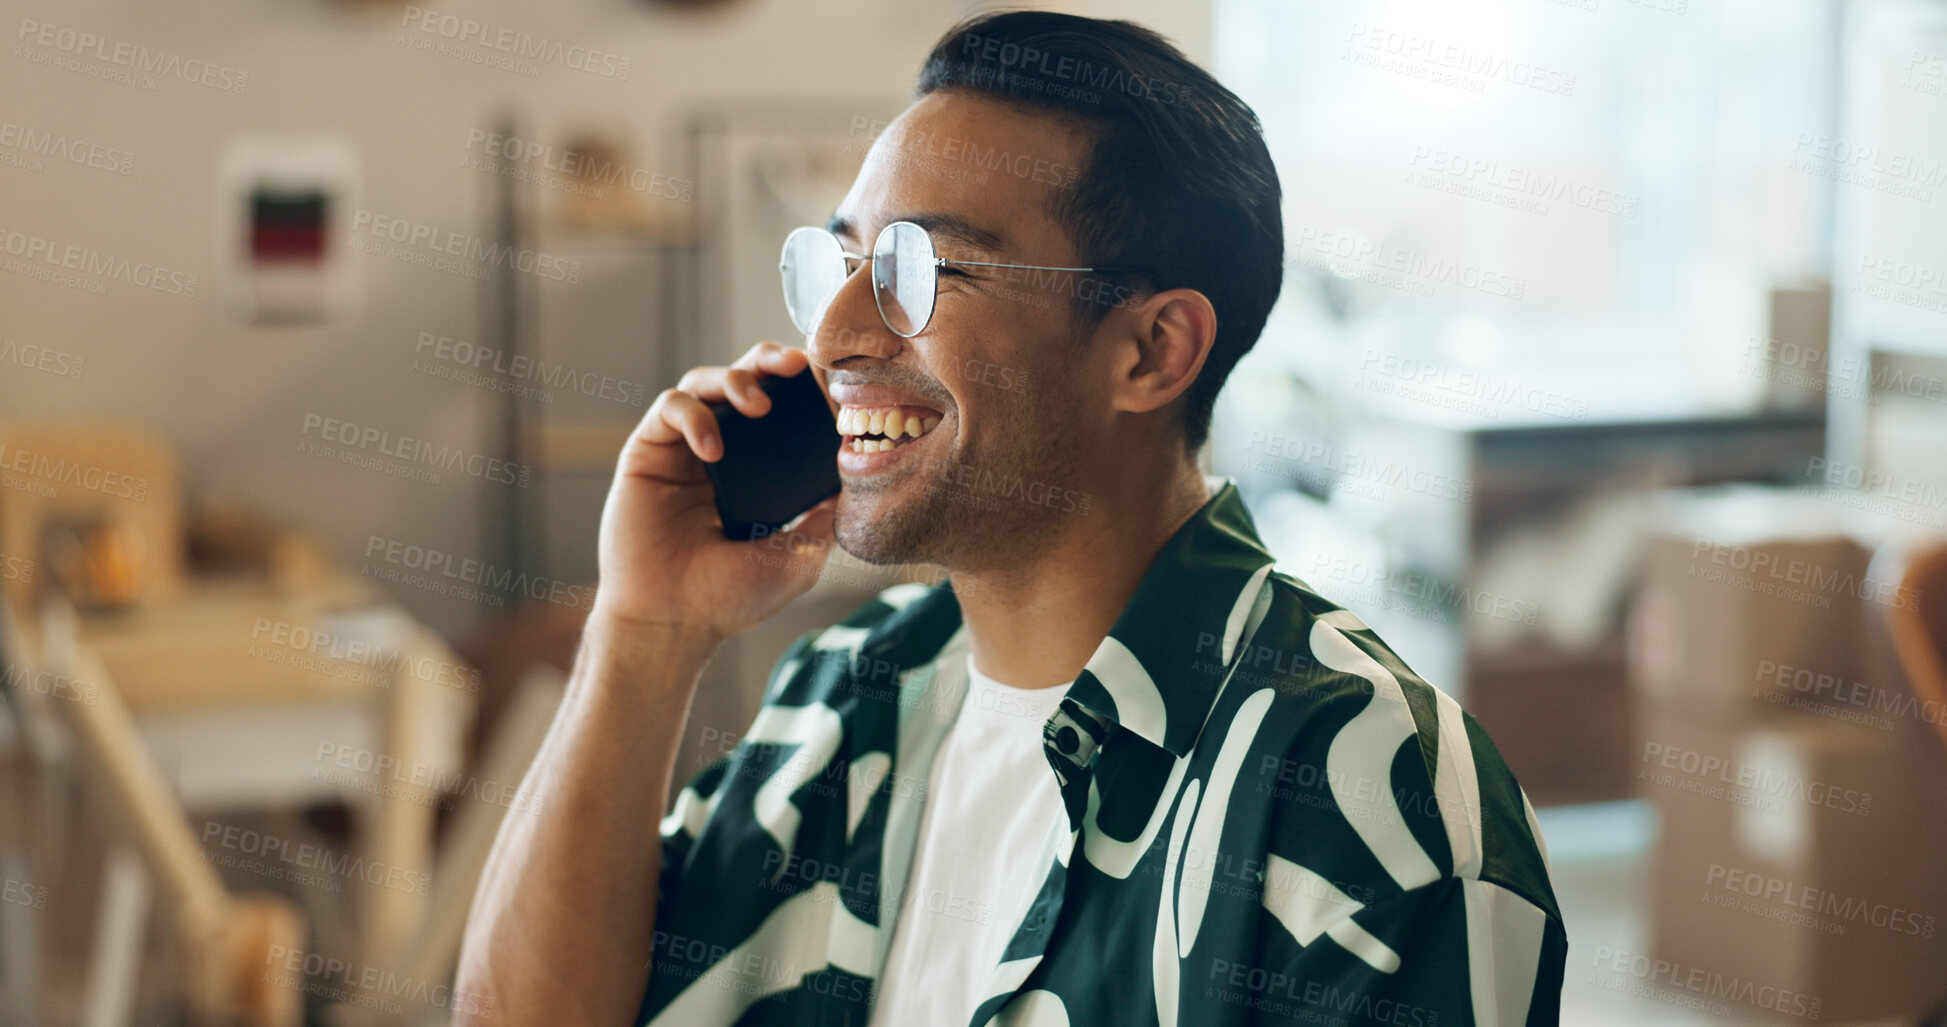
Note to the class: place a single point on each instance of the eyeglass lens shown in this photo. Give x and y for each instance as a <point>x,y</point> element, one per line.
<point>904,276</point>
<point>813,264</point>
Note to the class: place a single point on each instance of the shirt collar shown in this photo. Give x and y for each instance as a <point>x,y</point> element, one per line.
<point>1158,671</point>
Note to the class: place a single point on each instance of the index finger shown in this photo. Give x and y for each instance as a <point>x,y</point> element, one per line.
<point>773,358</point>
<point>784,361</point>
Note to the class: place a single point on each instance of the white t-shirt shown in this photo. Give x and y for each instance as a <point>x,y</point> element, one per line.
<point>992,804</point>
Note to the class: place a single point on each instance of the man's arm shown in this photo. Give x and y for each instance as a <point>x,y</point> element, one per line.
<point>1456,952</point>
<point>1404,880</point>
<point>561,926</point>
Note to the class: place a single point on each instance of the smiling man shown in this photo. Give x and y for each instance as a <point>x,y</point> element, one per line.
<point>1116,769</point>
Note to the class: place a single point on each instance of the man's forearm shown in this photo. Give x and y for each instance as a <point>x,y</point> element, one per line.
<point>561,925</point>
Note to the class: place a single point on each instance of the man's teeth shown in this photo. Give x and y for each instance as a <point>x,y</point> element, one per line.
<point>890,422</point>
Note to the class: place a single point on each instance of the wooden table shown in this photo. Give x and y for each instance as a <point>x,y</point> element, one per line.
<point>250,695</point>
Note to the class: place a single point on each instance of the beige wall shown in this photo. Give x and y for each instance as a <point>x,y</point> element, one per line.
<point>233,396</point>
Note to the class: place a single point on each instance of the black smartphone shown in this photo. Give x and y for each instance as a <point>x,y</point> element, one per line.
<point>777,466</point>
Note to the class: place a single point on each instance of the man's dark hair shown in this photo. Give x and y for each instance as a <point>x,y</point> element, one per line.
<point>1178,180</point>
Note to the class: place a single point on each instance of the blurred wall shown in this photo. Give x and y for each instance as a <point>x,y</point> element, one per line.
<point>233,397</point>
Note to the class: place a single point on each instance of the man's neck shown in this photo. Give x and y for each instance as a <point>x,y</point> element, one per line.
<point>1035,623</point>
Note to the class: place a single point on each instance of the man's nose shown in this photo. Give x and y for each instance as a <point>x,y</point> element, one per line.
<point>851,325</point>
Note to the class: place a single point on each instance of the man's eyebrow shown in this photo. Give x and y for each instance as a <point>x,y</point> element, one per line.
<point>947,226</point>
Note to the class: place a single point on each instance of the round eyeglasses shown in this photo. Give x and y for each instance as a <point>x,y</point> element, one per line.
<point>905,275</point>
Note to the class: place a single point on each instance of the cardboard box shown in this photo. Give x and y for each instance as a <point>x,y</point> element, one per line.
<point>1796,868</point>
<point>1754,598</point>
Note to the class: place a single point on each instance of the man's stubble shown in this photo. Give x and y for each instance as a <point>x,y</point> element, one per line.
<point>965,509</point>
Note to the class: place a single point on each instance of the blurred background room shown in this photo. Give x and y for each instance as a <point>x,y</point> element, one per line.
<point>1608,383</point>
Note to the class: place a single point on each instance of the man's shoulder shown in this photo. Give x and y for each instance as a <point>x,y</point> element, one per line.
<point>1317,655</point>
<point>899,628</point>
<point>1347,710</point>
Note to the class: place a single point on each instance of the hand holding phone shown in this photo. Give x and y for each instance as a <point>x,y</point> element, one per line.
<point>776,466</point>
<point>664,557</point>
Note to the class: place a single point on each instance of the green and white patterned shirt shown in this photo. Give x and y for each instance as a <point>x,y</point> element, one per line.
<point>1270,819</point>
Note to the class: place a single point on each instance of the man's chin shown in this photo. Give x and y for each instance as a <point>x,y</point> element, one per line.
<point>881,528</point>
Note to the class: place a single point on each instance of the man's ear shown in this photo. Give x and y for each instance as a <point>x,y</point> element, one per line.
<point>1166,343</point>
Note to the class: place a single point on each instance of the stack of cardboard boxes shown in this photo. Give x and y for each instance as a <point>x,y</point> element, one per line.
<point>1800,865</point>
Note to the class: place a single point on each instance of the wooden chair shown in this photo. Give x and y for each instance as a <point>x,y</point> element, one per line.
<point>228,940</point>
<point>1919,630</point>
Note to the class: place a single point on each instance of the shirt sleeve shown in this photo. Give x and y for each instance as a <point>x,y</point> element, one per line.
<point>690,815</point>
<point>1450,953</point>
<point>689,889</point>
